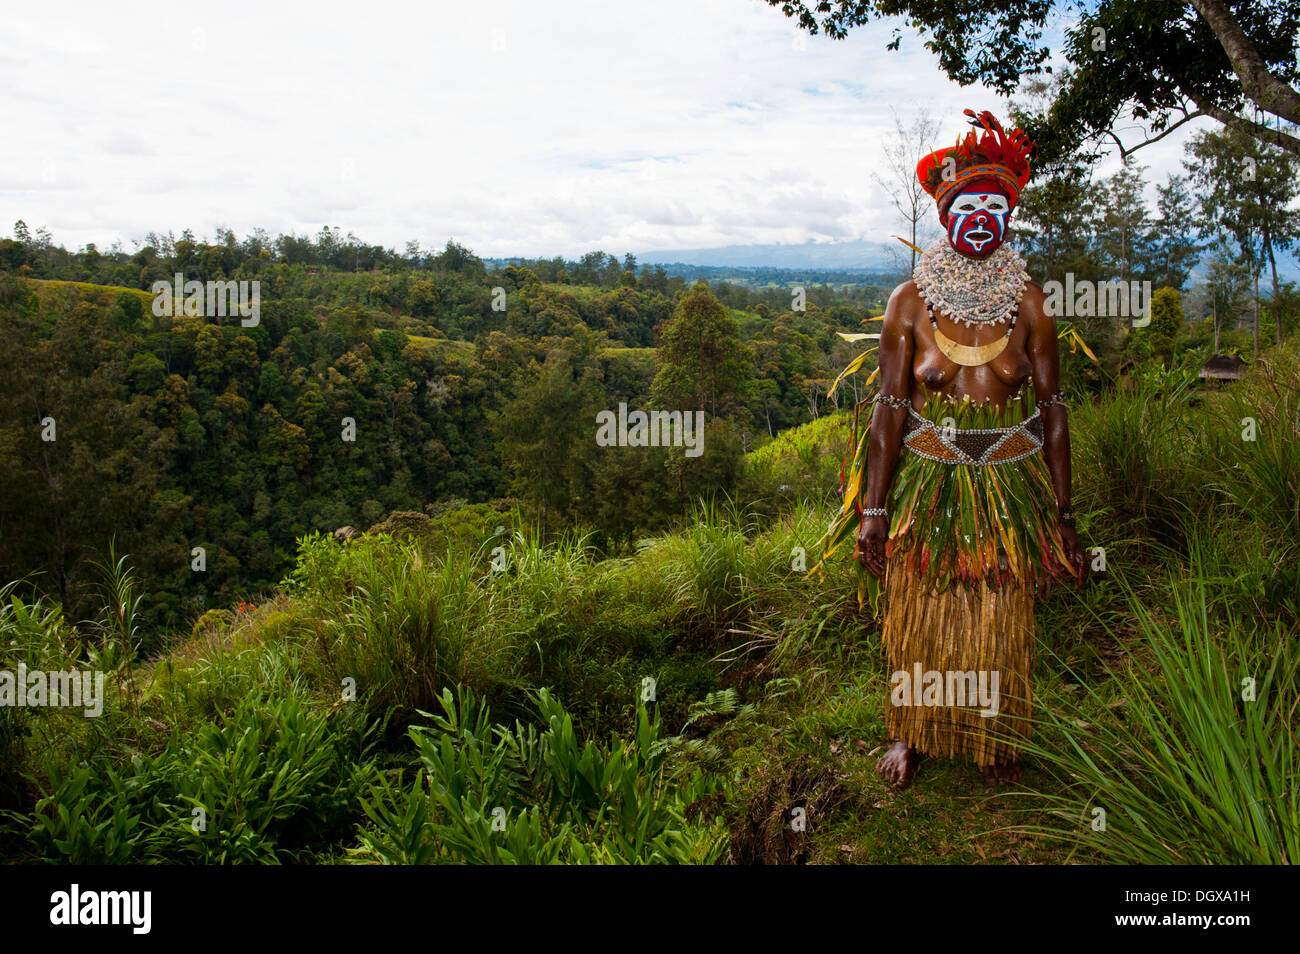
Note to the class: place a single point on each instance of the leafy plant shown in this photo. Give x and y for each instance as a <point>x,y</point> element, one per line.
<point>257,787</point>
<point>489,794</point>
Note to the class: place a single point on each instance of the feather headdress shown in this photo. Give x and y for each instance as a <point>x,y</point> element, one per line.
<point>990,154</point>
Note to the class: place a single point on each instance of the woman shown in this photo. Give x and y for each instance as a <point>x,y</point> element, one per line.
<point>965,512</point>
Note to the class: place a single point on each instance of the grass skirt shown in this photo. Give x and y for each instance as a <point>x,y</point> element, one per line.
<point>978,641</point>
<point>970,545</point>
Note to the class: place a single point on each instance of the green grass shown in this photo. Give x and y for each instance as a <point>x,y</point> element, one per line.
<point>101,294</point>
<point>1187,755</point>
<point>440,344</point>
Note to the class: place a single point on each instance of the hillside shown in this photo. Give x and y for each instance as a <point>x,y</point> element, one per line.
<point>189,438</point>
<point>689,701</point>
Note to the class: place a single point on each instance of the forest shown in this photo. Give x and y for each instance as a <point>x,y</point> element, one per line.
<point>471,392</point>
<point>183,432</point>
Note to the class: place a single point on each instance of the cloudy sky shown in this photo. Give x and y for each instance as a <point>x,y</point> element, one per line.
<point>516,127</point>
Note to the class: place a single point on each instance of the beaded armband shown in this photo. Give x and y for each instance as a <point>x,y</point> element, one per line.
<point>875,512</point>
<point>1057,398</point>
<point>889,401</point>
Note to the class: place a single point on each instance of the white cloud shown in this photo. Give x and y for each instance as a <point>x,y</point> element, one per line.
<point>516,127</point>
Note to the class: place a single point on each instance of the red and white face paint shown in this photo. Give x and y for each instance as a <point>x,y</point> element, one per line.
<point>977,221</point>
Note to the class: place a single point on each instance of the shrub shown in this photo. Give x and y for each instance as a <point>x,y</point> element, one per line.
<point>271,782</point>
<point>491,794</point>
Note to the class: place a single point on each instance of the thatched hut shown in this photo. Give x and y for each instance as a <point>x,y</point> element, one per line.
<point>1222,367</point>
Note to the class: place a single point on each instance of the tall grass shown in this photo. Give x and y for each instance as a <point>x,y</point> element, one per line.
<point>1249,460</point>
<point>397,630</point>
<point>37,635</point>
<point>1130,455</point>
<point>1185,765</point>
<point>707,565</point>
<point>540,581</point>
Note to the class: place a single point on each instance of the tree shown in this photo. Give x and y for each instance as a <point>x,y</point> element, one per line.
<point>1245,189</point>
<point>589,268</point>
<point>1052,227</point>
<point>1167,314</point>
<point>1226,289</point>
<point>910,142</point>
<point>1124,225</point>
<point>701,360</point>
<point>457,258</point>
<point>1161,63</point>
<point>424,298</point>
<point>127,312</point>
<point>1174,248</point>
<point>547,432</point>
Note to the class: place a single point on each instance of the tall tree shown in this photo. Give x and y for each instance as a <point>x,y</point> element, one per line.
<point>1246,188</point>
<point>1226,289</point>
<point>702,363</point>
<point>911,141</point>
<point>546,432</point>
<point>1053,226</point>
<point>1174,248</point>
<point>1122,231</point>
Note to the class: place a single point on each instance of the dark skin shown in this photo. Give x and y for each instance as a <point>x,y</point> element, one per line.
<point>911,365</point>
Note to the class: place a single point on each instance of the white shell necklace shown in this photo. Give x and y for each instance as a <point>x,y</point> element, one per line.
<point>974,291</point>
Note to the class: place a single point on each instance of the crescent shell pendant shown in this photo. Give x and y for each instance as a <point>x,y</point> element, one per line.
<point>969,356</point>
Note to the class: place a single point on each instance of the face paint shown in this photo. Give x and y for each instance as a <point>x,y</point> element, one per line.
<point>977,221</point>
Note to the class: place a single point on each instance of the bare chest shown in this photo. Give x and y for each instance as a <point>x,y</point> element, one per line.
<point>996,379</point>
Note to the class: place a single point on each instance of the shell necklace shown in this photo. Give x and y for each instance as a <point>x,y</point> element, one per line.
<point>974,291</point>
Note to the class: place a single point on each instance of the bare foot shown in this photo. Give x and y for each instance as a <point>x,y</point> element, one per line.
<point>898,765</point>
<point>1003,773</point>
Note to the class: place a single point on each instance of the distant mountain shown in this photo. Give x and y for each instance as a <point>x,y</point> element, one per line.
<point>1288,270</point>
<point>875,258</point>
<point>857,255</point>
<point>785,277</point>
<point>832,262</point>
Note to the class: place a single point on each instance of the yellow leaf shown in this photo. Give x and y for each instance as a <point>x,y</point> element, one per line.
<point>852,367</point>
<point>908,244</point>
<point>1069,334</point>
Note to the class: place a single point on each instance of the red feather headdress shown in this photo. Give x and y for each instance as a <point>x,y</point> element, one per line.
<point>994,154</point>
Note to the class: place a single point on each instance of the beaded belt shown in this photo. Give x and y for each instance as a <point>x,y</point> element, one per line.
<point>978,446</point>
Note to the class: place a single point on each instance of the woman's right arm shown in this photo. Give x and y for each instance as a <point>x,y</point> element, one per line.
<point>895,358</point>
